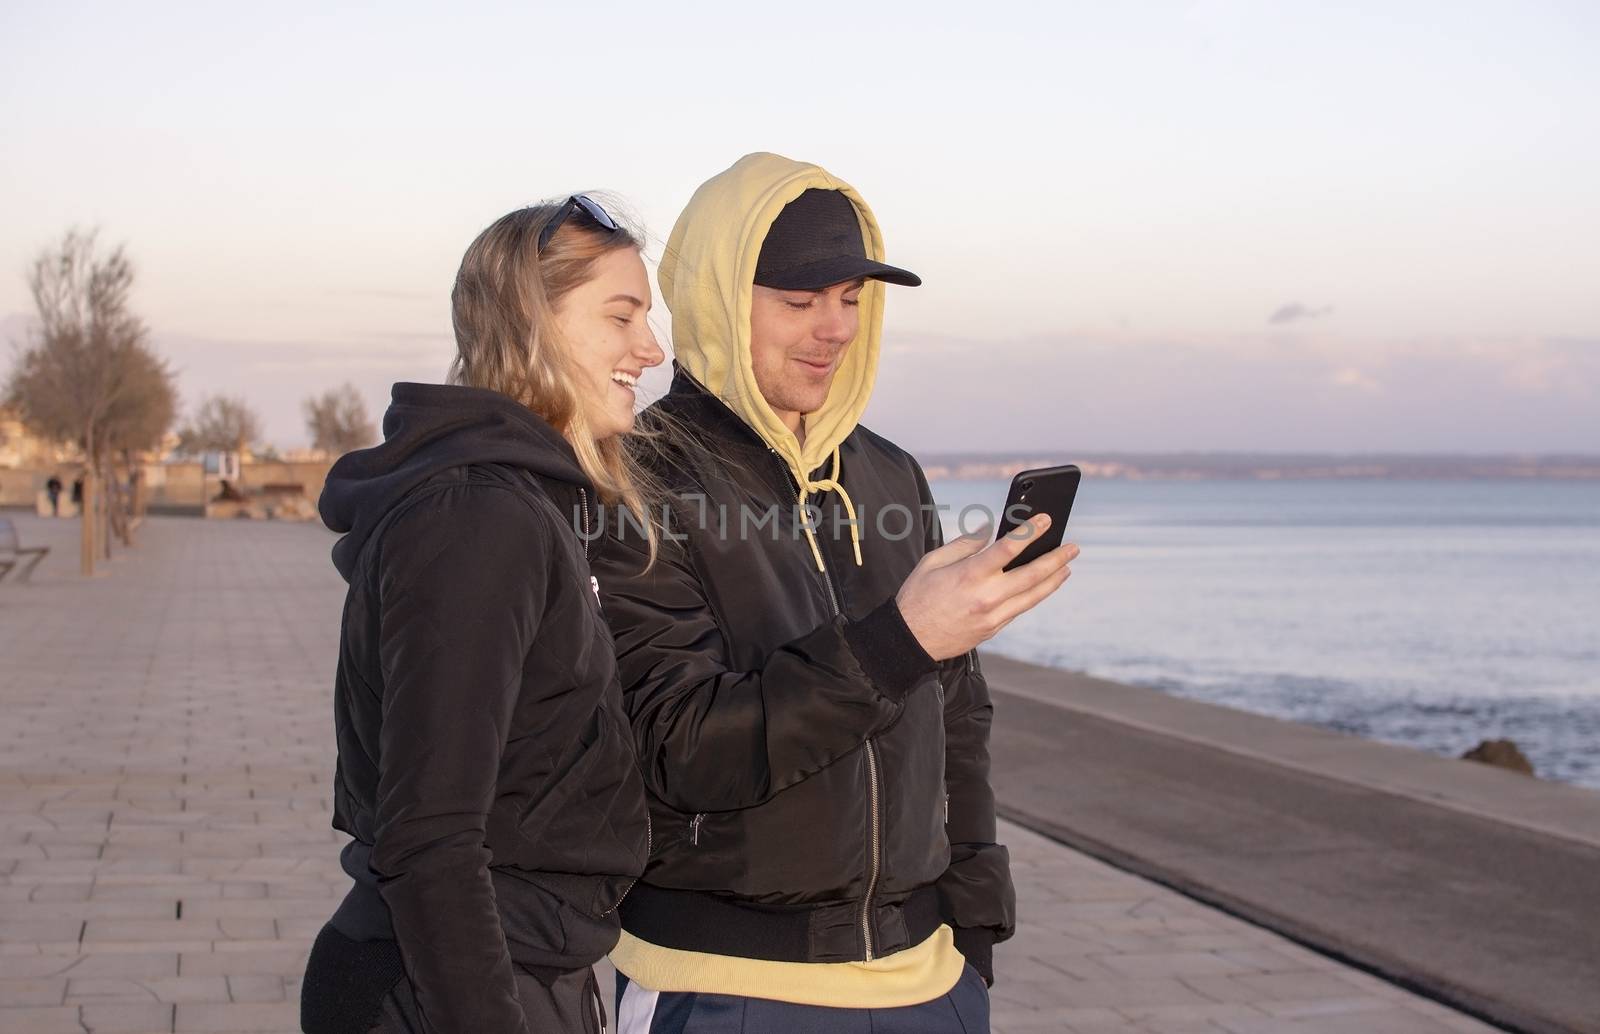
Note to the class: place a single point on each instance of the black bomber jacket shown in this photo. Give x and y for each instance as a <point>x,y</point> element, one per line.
<point>818,786</point>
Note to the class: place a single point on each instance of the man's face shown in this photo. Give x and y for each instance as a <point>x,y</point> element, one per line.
<point>797,341</point>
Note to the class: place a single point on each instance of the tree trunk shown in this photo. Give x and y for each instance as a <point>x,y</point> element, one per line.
<point>136,496</point>
<point>86,520</point>
<point>108,507</point>
<point>116,508</point>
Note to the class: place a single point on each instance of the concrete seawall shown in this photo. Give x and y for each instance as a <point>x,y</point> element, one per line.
<point>1477,887</point>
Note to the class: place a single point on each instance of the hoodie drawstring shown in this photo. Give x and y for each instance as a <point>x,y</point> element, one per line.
<point>827,484</point>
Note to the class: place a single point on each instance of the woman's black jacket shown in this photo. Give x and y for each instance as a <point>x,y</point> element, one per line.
<point>485,765</point>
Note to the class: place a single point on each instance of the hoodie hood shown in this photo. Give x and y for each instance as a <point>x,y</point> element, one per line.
<point>707,275</point>
<point>429,428</point>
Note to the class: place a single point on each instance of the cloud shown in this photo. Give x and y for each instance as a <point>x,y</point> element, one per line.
<point>1064,393</point>
<point>431,336</point>
<point>1351,377</point>
<point>1295,311</point>
<point>385,295</point>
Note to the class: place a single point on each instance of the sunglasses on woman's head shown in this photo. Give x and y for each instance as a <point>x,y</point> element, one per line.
<point>576,203</point>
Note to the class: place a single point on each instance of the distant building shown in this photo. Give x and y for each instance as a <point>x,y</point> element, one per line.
<point>21,449</point>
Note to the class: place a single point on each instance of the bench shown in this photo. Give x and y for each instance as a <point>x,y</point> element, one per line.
<point>12,552</point>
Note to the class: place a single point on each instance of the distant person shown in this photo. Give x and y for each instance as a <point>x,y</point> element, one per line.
<point>77,493</point>
<point>52,488</point>
<point>485,766</point>
<point>810,714</point>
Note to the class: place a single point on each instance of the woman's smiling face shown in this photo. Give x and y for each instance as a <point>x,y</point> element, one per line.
<point>603,324</point>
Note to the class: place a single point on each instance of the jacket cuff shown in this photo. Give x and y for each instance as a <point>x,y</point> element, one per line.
<point>976,943</point>
<point>887,651</point>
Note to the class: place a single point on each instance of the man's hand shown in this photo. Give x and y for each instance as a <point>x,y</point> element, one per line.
<point>959,595</point>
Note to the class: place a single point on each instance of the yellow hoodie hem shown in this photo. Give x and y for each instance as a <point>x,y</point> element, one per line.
<point>911,977</point>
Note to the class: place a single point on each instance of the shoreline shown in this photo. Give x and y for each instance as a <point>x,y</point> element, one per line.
<point>1248,466</point>
<point>1177,689</point>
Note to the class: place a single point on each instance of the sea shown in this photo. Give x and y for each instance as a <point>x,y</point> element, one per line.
<point>1433,614</point>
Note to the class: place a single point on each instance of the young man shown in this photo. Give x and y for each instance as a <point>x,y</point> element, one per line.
<point>798,663</point>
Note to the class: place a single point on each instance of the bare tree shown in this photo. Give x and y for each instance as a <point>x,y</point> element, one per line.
<point>136,422</point>
<point>89,376</point>
<point>138,418</point>
<point>338,420</point>
<point>221,424</point>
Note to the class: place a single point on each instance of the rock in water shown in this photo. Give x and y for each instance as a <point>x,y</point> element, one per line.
<point>1501,754</point>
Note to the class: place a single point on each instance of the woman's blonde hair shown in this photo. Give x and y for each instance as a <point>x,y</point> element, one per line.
<point>503,308</point>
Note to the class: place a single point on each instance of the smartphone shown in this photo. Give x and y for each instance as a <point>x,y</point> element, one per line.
<point>1049,490</point>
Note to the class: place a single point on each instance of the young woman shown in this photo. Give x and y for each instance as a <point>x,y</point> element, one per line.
<point>485,768</point>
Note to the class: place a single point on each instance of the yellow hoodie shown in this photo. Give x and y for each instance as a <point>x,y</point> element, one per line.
<point>707,277</point>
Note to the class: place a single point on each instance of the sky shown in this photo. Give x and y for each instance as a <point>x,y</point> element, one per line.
<point>1224,225</point>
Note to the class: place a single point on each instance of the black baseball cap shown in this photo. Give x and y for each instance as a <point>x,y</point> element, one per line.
<point>816,242</point>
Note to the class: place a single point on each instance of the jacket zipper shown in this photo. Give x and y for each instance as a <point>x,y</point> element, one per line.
<point>583,501</point>
<point>694,828</point>
<point>874,859</point>
<point>872,874</point>
<point>649,849</point>
<point>649,832</point>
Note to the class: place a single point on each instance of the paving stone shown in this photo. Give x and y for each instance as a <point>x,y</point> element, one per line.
<point>162,989</point>
<point>277,962</point>
<point>1278,987</point>
<point>107,989</point>
<point>259,988</point>
<point>61,1019</point>
<point>1170,964</point>
<point>259,908</point>
<point>1223,989</point>
<point>1192,1013</point>
<point>127,1018</point>
<point>1115,994</point>
<point>237,1017</point>
<point>1054,1021</point>
<point>187,929</point>
<point>133,965</point>
<point>37,991</point>
<point>41,931</point>
<point>66,890</point>
<point>171,889</point>
<point>91,909</point>
<point>1395,1021</point>
<point>1266,960</point>
<point>1170,1026</point>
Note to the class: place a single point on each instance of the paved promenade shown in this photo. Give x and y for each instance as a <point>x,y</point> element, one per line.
<point>165,854</point>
